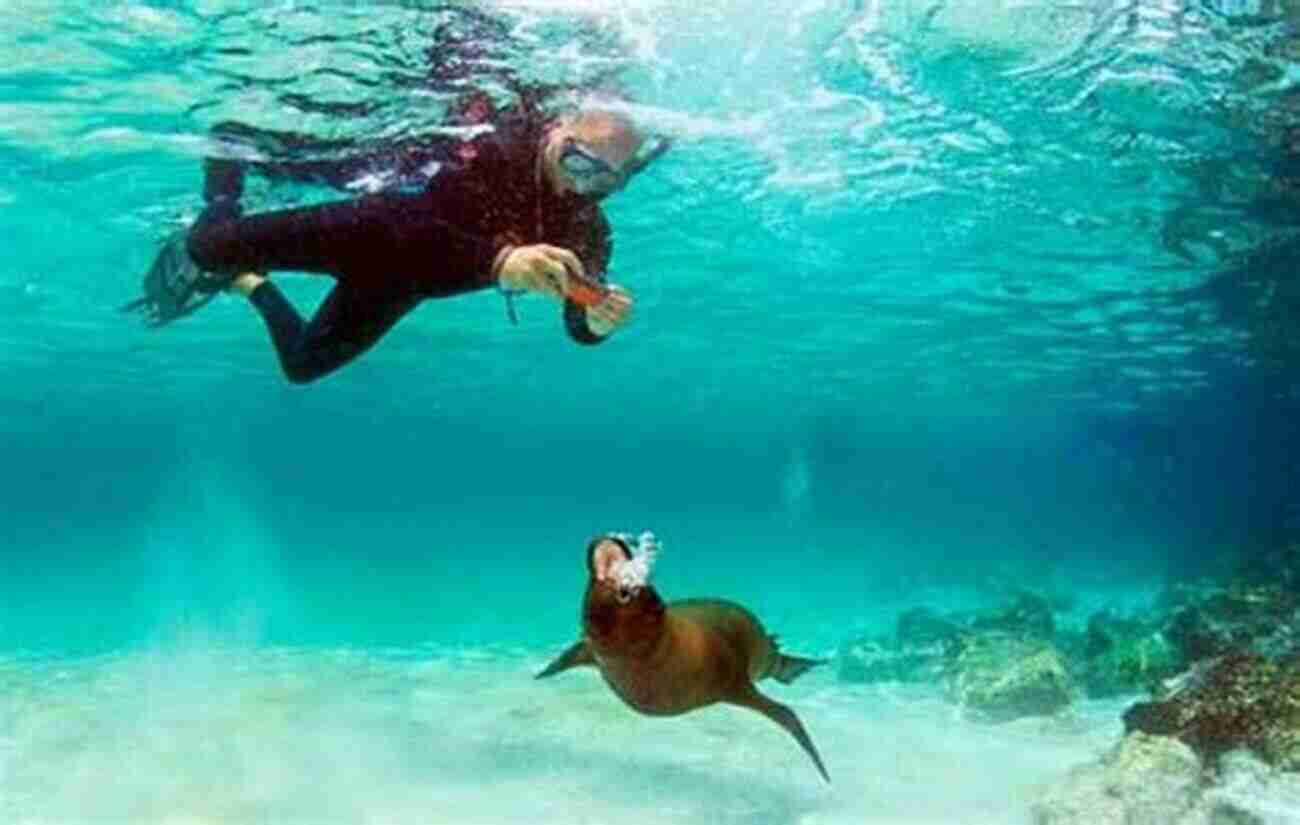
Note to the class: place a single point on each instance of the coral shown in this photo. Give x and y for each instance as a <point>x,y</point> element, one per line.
<point>1242,700</point>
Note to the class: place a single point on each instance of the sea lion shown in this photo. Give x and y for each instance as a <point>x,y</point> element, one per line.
<point>665,660</point>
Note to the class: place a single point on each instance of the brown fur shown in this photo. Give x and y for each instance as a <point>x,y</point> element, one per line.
<point>665,660</point>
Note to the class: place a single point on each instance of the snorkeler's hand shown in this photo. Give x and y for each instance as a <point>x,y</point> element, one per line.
<point>539,268</point>
<point>611,313</point>
<point>246,283</point>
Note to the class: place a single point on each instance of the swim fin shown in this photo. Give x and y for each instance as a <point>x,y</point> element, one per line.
<point>174,286</point>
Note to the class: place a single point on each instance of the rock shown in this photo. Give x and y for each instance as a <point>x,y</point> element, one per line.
<point>921,627</point>
<point>1279,566</point>
<point>1241,616</point>
<point>1124,655</point>
<point>1185,594</point>
<point>999,678</point>
<point>1073,645</point>
<point>1029,616</point>
<point>1106,630</point>
<point>1155,780</point>
<point>1242,700</point>
<point>1282,642</point>
<point>1151,780</point>
<point>1197,635</point>
<point>1248,792</point>
<point>1061,601</point>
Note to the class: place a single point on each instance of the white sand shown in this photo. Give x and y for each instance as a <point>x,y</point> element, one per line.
<point>207,734</point>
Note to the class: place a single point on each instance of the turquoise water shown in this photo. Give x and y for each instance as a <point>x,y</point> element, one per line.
<point>934,301</point>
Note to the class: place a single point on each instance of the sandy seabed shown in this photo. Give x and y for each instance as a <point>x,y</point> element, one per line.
<point>201,734</point>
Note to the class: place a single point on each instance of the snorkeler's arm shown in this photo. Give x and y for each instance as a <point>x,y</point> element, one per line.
<point>340,238</point>
<point>594,246</point>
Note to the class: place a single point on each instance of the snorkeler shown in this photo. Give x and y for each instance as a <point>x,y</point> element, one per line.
<point>515,205</point>
<point>668,659</point>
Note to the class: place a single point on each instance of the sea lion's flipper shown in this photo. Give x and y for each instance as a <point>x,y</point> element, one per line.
<point>578,654</point>
<point>788,668</point>
<point>787,719</point>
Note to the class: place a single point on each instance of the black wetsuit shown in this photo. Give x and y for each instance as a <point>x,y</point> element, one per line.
<point>390,251</point>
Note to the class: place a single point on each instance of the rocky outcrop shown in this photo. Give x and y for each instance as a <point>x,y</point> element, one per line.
<point>998,678</point>
<point>1148,779</point>
<point>1239,616</point>
<point>998,664</point>
<point>1156,780</point>
<point>922,627</point>
<point>1246,792</point>
<point>1027,616</point>
<point>1125,656</point>
<point>1242,700</point>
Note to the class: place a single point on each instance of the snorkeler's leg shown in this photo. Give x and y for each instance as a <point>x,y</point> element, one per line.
<point>292,157</point>
<point>175,285</point>
<point>349,322</point>
<point>241,148</point>
<point>223,174</point>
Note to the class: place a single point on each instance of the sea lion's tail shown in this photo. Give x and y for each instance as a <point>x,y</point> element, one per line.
<point>788,668</point>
